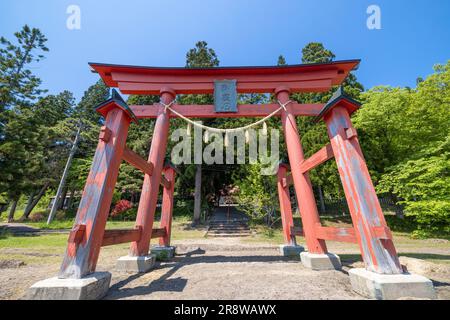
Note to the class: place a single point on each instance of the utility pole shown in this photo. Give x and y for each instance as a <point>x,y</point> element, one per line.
<point>64,176</point>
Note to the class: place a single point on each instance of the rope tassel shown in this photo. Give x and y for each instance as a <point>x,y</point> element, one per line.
<point>264,130</point>
<point>188,129</point>
<point>216,130</point>
<point>226,142</point>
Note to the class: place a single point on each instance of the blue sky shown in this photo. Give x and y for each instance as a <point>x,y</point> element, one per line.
<point>415,34</point>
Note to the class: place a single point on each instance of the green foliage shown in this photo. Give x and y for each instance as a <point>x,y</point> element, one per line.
<point>405,136</point>
<point>315,52</point>
<point>423,184</point>
<point>314,136</point>
<point>256,192</point>
<point>19,85</point>
<point>201,56</point>
<point>281,61</point>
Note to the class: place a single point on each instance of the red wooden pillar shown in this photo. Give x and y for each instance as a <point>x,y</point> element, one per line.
<point>302,184</point>
<point>86,237</point>
<point>167,206</point>
<point>285,206</point>
<point>374,237</point>
<point>150,188</point>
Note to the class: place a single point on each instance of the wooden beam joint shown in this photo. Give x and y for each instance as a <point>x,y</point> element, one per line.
<point>321,156</point>
<point>117,236</point>
<point>105,134</point>
<point>335,234</point>
<point>76,235</point>
<point>159,233</point>
<point>135,160</point>
<point>166,183</point>
<point>297,231</point>
<point>351,133</point>
<point>383,233</point>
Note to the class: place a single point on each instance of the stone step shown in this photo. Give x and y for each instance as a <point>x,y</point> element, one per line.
<point>229,232</point>
<point>230,227</point>
<point>228,235</point>
<point>228,224</point>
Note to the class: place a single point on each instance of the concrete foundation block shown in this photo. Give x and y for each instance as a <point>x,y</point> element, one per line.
<point>390,286</point>
<point>328,261</point>
<point>163,253</point>
<point>291,251</point>
<point>92,287</point>
<point>135,264</point>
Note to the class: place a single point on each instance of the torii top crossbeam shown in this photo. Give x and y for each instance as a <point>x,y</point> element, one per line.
<point>318,77</point>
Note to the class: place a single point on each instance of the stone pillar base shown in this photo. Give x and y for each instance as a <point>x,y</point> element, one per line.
<point>92,287</point>
<point>291,250</point>
<point>163,253</point>
<point>135,264</point>
<point>390,286</point>
<point>328,261</point>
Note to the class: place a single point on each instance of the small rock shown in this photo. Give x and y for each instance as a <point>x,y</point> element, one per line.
<point>11,264</point>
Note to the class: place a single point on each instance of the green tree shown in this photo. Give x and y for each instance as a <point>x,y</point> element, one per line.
<point>199,57</point>
<point>18,84</point>
<point>281,61</point>
<point>314,136</point>
<point>405,133</point>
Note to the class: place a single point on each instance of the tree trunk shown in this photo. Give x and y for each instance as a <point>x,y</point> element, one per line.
<point>29,203</point>
<point>198,193</point>
<point>29,209</point>
<point>12,211</point>
<point>4,207</point>
<point>322,202</point>
<point>70,201</point>
<point>62,183</point>
<point>62,201</point>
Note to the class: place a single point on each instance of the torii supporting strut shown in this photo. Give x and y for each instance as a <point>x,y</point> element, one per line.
<point>369,230</point>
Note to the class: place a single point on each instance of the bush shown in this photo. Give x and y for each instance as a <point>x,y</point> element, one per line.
<point>121,207</point>
<point>423,184</point>
<point>60,215</point>
<point>37,216</point>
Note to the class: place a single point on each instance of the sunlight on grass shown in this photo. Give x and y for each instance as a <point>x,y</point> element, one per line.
<point>50,241</point>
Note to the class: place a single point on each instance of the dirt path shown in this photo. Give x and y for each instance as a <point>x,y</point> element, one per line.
<point>210,274</point>
<point>213,269</point>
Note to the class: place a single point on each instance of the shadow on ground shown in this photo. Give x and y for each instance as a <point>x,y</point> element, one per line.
<point>118,290</point>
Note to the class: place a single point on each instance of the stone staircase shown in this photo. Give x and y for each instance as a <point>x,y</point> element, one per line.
<point>228,229</point>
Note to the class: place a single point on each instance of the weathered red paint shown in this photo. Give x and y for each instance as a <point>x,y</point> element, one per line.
<point>370,229</point>
<point>302,184</point>
<point>150,188</point>
<point>379,254</point>
<point>167,206</point>
<point>150,80</point>
<point>285,206</point>
<point>165,183</point>
<point>117,236</point>
<point>158,233</point>
<point>336,234</point>
<point>81,259</point>
<point>105,134</point>
<point>135,160</point>
<point>321,156</point>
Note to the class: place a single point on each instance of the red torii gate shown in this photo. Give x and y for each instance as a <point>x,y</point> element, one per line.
<point>369,230</point>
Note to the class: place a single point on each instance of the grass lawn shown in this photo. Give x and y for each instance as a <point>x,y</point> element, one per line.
<point>181,229</point>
